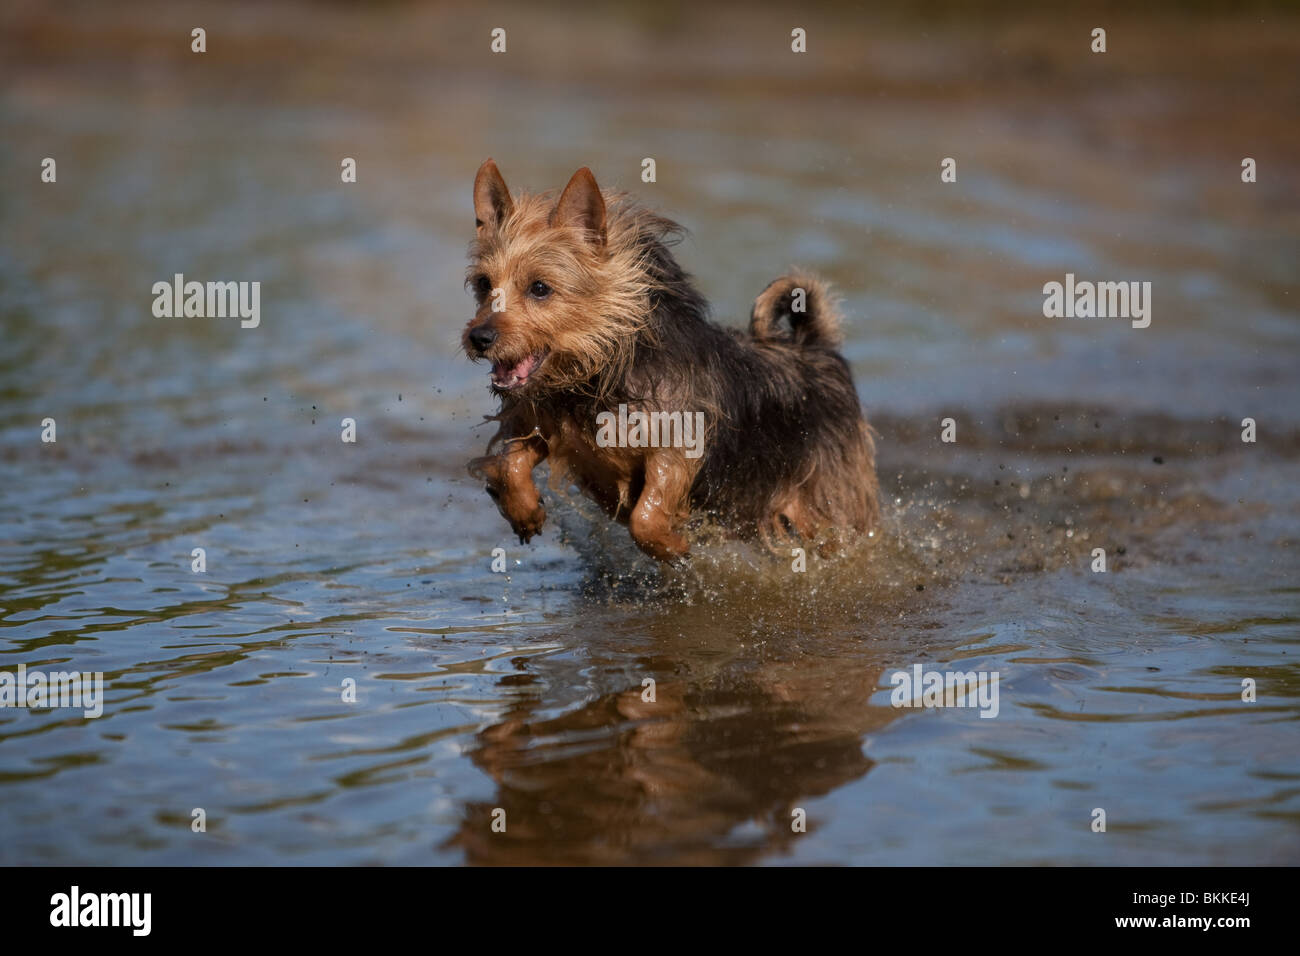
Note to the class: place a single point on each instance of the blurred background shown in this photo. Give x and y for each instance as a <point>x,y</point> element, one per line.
<point>479,690</point>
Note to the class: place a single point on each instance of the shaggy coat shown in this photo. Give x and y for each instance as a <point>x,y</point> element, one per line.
<point>582,308</point>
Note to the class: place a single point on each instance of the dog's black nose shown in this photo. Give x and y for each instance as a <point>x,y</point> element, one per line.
<point>482,337</point>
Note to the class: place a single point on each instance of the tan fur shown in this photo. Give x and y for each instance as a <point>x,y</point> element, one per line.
<point>597,312</point>
<point>612,289</point>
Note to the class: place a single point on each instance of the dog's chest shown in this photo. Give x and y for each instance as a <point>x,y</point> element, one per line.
<point>610,476</point>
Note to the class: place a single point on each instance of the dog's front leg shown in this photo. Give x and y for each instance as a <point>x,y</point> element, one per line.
<point>663,505</point>
<point>509,478</point>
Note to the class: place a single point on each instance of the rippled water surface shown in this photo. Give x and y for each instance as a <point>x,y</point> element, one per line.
<point>524,691</point>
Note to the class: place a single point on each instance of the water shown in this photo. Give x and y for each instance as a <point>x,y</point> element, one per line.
<point>523,691</point>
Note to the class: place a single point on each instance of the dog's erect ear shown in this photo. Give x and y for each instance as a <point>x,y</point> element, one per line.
<point>492,202</point>
<point>581,204</point>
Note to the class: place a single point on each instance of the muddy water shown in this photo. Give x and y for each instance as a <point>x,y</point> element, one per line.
<point>524,691</point>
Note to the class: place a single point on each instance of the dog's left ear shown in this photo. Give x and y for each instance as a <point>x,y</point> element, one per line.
<point>492,202</point>
<point>581,204</point>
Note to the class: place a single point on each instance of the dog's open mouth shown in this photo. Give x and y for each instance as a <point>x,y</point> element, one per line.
<point>507,375</point>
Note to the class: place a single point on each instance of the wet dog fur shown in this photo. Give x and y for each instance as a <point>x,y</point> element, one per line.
<point>581,307</point>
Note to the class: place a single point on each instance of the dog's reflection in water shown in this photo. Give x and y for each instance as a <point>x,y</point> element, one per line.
<point>709,772</point>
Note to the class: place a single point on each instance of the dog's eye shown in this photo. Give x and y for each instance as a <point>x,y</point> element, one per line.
<point>483,285</point>
<point>539,290</point>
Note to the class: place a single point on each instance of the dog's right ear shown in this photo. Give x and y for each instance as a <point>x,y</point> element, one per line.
<point>492,202</point>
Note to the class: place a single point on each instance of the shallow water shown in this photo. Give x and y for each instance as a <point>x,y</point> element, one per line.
<point>523,691</point>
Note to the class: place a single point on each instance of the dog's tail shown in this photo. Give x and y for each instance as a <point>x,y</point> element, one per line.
<point>807,304</point>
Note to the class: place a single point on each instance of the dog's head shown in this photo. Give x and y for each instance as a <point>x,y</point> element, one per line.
<point>556,300</point>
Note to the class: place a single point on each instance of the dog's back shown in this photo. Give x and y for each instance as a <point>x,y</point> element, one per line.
<point>790,450</point>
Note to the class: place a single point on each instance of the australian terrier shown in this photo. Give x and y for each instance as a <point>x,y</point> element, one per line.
<point>604,358</point>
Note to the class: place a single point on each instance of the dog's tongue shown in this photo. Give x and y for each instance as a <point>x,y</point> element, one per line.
<point>505,375</point>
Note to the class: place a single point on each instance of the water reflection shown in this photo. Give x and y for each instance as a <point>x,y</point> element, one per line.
<point>711,771</point>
